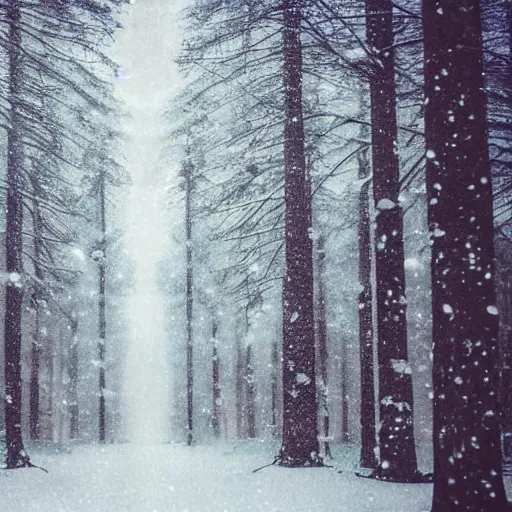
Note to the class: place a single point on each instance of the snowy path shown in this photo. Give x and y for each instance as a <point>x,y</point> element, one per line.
<point>174,478</point>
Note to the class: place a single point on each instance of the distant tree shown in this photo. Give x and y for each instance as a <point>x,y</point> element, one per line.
<point>249,384</point>
<point>365,302</point>
<point>274,362</point>
<point>467,445</point>
<point>100,256</point>
<point>216,388</point>
<point>188,184</point>
<point>321,344</point>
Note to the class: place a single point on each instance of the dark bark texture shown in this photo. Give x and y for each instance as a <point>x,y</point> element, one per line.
<point>216,390</point>
<point>190,301</point>
<point>467,451</point>
<point>102,321</point>
<point>74,423</point>
<point>367,408</point>
<point>321,349</point>
<point>299,442</point>
<point>273,388</point>
<point>38,305</point>
<point>396,433</point>
<point>16,456</point>
<point>250,394</point>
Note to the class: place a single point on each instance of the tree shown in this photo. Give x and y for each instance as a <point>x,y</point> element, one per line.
<point>188,185</point>
<point>100,255</point>
<point>16,456</point>
<point>299,442</point>
<point>367,407</point>
<point>467,446</point>
<point>322,354</point>
<point>216,388</point>
<point>42,141</point>
<point>396,433</point>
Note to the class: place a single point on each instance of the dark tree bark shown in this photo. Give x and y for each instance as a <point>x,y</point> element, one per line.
<point>187,174</point>
<point>249,385</point>
<point>273,389</point>
<point>396,434</point>
<point>38,304</point>
<point>345,435</point>
<point>102,323</point>
<point>467,451</point>
<point>35,358</point>
<point>367,408</point>
<point>299,442</point>
<point>368,439</point>
<point>239,385</point>
<point>216,390</point>
<point>50,388</point>
<point>16,456</point>
<point>321,342</point>
<point>250,393</point>
<point>74,423</point>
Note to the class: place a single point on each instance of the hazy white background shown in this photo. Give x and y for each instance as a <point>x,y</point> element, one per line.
<point>146,50</point>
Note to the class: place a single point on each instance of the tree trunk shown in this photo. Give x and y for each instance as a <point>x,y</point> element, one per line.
<point>190,299</point>
<point>216,392</point>
<point>367,407</point>
<point>299,442</point>
<point>250,393</point>
<point>321,342</point>
<point>239,386</point>
<point>368,439</point>
<point>50,414</point>
<point>467,446</point>
<point>102,314</point>
<point>273,389</point>
<point>35,357</point>
<point>37,304</point>
<point>396,434</point>
<point>345,436</point>
<point>74,424</point>
<point>16,456</point>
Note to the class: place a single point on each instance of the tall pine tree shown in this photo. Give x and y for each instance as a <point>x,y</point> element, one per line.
<point>467,451</point>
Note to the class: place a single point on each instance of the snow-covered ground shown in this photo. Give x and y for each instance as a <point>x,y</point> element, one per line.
<point>174,478</point>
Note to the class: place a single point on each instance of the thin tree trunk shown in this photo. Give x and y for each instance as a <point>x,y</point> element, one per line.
<point>367,408</point>
<point>190,300</point>
<point>345,436</point>
<point>321,339</point>
<point>248,374</point>
<point>273,389</point>
<point>51,388</point>
<point>299,441</point>
<point>102,313</point>
<point>16,456</point>
<point>368,438</point>
<point>35,357</point>
<point>396,433</point>
<point>37,304</point>
<point>74,423</point>
<point>216,390</point>
<point>467,444</point>
<point>250,393</point>
<point>239,387</point>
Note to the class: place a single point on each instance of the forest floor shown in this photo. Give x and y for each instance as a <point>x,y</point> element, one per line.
<point>175,478</point>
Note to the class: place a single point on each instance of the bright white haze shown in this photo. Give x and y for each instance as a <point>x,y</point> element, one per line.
<point>146,50</point>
